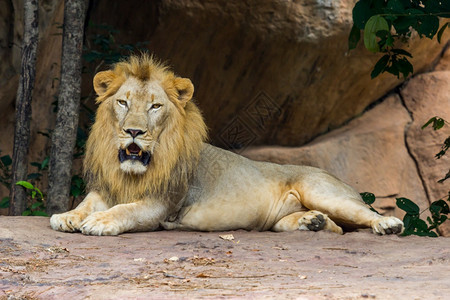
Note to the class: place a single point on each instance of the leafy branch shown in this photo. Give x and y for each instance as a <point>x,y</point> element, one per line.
<point>37,207</point>
<point>385,22</point>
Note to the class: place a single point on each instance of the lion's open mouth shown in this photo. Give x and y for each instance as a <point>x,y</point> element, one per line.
<point>134,152</point>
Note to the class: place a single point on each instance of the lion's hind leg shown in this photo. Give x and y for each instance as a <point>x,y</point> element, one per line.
<point>312,220</point>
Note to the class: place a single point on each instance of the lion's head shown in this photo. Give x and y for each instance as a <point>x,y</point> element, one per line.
<point>148,133</point>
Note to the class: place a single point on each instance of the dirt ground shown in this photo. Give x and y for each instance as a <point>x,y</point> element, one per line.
<point>39,263</point>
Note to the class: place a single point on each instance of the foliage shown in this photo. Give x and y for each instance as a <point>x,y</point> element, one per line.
<point>438,123</point>
<point>439,209</point>
<point>77,186</point>
<point>415,225</point>
<point>37,207</point>
<point>5,170</point>
<point>369,199</point>
<point>5,177</point>
<point>102,47</point>
<point>386,21</point>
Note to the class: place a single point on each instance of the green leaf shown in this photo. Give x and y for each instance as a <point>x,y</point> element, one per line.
<point>408,206</point>
<point>26,213</point>
<point>6,160</point>
<point>75,191</point>
<point>439,207</point>
<point>374,24</point>
<point>428,26</point>
<point>441,31</point>
<point>368,198</point>
<point>393,68</point>
<point>33,194</point>
<point>447,176</point>
<point>405,67</point>
<point>361,13</point>
<point>354,37</point>
<point>39,213</point>
<point>401,52</point>
<point>36,205</point>
<point>429,122</point>
<point>396,6</point>
<point>425,233</point>
<point>420,225</point>
<point>402,24</point>
<point>4,203</point>
<point>380,66</point>
<point>39,192</point>
<point>32,176</point>
<point>45,162</point>
<point>35,164</point>
<point>408,221</point>
<point>25,184</point>
<point>437,122</point>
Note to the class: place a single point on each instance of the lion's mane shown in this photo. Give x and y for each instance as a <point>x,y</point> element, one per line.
<point>175,157</point>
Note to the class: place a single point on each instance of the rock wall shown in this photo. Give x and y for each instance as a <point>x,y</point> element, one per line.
<point>266,73</point>
<point>385,151</point>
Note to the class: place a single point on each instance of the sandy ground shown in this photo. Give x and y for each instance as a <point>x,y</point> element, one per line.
<point>39,263</point>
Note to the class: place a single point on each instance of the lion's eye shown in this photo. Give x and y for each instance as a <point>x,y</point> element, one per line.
<point>122,103</point>
<point>156,106</point>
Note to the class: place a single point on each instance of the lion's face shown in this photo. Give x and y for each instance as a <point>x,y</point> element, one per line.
<point>140,110</point>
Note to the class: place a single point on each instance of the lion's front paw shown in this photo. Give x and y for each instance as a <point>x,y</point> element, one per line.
<point>387,225</point>
<point>100,223</point>
<point>68,222</point>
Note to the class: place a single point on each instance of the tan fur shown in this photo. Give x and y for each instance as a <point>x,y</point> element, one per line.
<point>179,145</point>
<point>189,184</point>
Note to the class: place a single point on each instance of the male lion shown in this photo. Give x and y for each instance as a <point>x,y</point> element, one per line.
<point>147,167</point>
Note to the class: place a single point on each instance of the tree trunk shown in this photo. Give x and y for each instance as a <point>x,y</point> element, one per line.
<point>64,135</point>
<point>18,194</point>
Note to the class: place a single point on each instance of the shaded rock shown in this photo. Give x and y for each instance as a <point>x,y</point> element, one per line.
<point>369,153</point>
<point>426,96</point>
<point>296,53</point>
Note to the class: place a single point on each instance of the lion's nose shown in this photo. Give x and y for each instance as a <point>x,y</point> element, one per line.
<point>134,132</point>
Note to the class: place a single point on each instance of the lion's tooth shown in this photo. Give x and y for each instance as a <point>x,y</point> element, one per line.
<point>140,153</point>
<point>127,151</point>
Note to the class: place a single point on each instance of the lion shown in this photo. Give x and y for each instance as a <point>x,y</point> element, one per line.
<point>148,167</point>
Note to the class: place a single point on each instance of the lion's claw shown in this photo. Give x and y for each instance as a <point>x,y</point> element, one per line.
<point>67,222</point>
<point>387,225</point>
<point>100,223</point>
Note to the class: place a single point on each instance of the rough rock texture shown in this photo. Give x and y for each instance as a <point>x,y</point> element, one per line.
<point>271,72</point>
<point>371,154</point>
<point>39,263</point>
<point>295,53</point>
<point>426,96</point>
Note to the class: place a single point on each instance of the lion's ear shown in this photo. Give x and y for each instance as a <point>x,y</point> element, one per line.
<point>185,89</point>
<point>102,80</point>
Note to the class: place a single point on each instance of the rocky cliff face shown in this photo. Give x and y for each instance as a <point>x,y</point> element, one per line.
<point>385,151</point>
<point>266,73</point>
